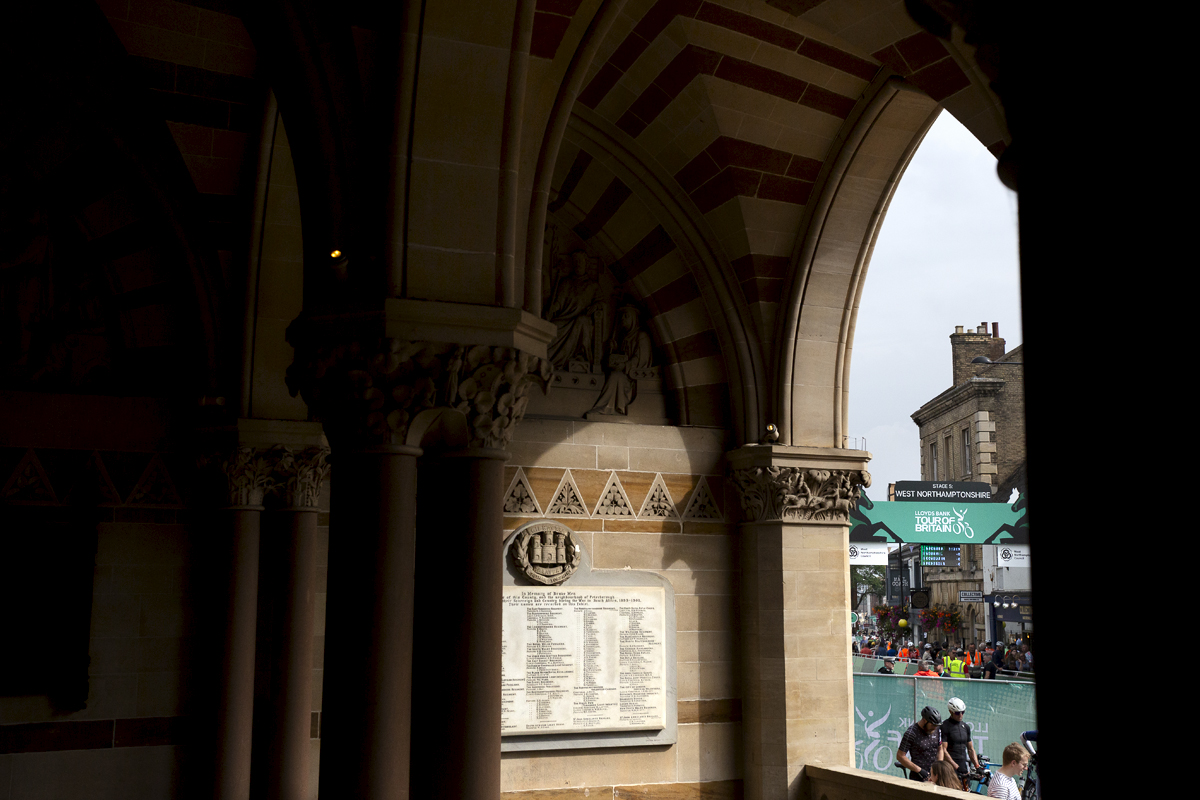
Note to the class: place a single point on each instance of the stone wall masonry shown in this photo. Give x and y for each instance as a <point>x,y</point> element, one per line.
<point>696,551</point>
<point>606,445</point>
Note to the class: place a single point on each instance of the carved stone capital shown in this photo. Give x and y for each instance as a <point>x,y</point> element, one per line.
<point>798,483</point>
<point>299,474</point>
<point>367,392</point>
<point>248,476</point>
<point>796,493</point>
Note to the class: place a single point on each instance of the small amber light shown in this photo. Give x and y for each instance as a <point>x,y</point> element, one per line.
<point>336,254</point>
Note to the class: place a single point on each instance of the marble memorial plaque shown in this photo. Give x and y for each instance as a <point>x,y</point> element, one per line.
<point>583,659</point>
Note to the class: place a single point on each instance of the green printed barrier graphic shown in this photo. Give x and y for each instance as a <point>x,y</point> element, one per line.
<point>998,712</point>
<point>867,664</point>
<point>939,523</point>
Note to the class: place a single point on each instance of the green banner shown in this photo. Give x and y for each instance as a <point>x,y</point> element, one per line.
<point>939,523</point>
<point>998,712</point>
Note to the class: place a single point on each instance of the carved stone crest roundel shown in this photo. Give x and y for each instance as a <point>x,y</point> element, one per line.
<point>546,552</point>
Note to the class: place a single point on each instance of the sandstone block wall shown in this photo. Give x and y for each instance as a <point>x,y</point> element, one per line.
<point>694,547</point>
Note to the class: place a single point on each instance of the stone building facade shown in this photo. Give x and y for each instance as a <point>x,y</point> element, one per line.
<point>974,431</point>
<point>307,304</point>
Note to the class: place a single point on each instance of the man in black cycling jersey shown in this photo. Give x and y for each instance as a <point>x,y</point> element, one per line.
<point>921,744</point>
<point>957,747</point>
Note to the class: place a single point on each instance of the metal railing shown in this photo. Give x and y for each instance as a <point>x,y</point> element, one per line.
<point>869,665</point>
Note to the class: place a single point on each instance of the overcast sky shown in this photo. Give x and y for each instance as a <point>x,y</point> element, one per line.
<point>946,256</point>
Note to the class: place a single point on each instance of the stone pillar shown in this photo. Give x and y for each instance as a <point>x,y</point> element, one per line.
<point>456,702</point>
<point>248,476</point>
<point>797,702</point>
<point>368,624</point>
<point>381,394</point>
<point>288,585</point>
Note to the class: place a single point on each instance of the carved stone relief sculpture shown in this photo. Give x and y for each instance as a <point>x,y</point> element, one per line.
<point>586,303</point>
<point>546,552</point>
<point>579,313</point>
<point>795,493</point>
<point>630,356</point>
<point>369,392</point>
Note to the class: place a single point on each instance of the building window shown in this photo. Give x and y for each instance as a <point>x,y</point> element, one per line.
<point>933,472</point>
<point>949,450</point>
<point>966,450</point>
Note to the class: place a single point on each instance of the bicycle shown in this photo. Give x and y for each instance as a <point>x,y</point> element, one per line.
<point>982,776</point>
<point>1031,790</point>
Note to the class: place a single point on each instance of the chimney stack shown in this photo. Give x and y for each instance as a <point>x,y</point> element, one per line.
<point>966,346</point>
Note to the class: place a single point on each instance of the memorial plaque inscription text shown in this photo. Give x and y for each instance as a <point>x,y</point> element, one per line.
<point>584,659</point>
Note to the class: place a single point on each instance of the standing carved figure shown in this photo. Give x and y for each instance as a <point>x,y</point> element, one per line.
<point>572,308</point>
<point>629,355</point>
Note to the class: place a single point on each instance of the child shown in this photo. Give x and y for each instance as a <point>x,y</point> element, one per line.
<point>1002,785</point>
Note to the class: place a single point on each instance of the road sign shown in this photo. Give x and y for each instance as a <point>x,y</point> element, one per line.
<point>970,597</point>
<point>853,617</point>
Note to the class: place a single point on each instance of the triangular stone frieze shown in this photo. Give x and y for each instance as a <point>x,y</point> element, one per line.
<point>94,482</point>
<point>28,482</point>
<point>658,503</point>
<point>519,499</point>
<point>613,501</point>
<point>155,487</point>
<point>702,505</point>
<point>567,501</point>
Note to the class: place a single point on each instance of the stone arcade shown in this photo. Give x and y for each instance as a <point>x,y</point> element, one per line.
<point>309,305</point>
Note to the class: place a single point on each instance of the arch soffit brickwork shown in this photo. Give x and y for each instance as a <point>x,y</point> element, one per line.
<point>687,228</point>
<point>821,297</point>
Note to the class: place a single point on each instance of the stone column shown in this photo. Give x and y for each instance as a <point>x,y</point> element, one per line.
<point>248,475</point>
<point>368,624</point>
<point>456,702</point>
<point>797,702</point>
<point>284,713</point>
<point>381,395</point>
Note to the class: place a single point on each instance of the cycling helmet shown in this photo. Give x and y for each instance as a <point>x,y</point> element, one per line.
<point>930,714</point>
<point>956,705</point>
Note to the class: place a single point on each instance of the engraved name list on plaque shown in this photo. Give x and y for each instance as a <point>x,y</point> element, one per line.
<point>583,659</point>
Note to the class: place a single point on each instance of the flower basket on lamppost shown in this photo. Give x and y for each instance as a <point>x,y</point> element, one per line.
<point>890,619</point>
<point>942,620</point>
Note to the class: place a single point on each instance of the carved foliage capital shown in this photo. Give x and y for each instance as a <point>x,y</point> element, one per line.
<point>299,475</point>
<point>799,494</point>
<point>248,476</point>
<point>368,392</point>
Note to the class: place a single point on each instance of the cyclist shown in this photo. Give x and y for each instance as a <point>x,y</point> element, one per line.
<point>921,745</point>
<point>1003,785</point>
<point>957,747</point>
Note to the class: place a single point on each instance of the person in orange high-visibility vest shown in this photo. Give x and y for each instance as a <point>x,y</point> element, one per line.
<point>974,661</point>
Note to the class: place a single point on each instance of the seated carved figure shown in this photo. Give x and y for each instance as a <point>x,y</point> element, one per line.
<point>629,357</point>
<point>572,308</point>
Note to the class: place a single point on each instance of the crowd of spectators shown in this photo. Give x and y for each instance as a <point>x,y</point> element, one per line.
<point>987,660</point>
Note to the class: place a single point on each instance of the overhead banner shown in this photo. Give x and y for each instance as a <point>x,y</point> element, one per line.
<point>939,523</point>
<point>867,554</point>
<point>943,491</point>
